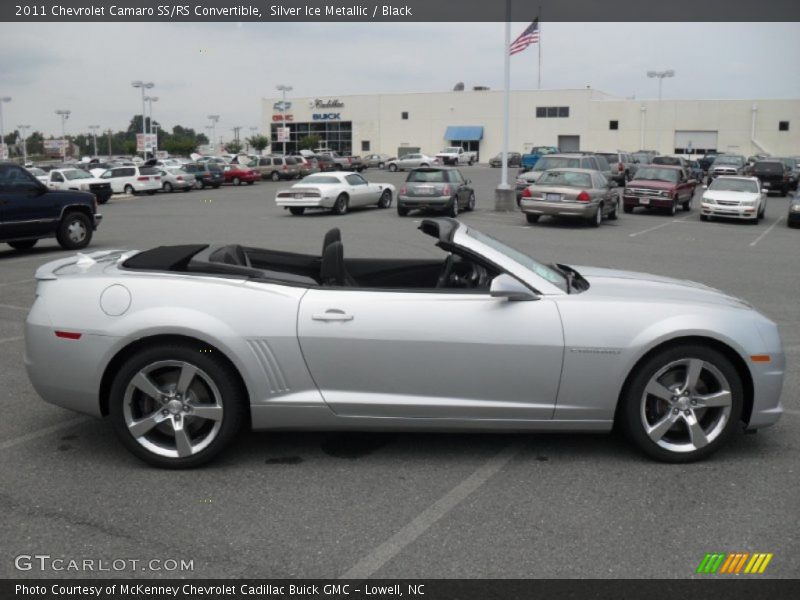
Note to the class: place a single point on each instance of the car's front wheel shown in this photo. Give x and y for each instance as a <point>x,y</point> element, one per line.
<point>385,200</point>
<point>74,231</point>
<point>682,403</point>
<point>176,406</point>
<point>341,205</point>
<point>393,168</point>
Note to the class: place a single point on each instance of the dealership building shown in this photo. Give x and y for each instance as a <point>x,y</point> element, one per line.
<point>578,119</point>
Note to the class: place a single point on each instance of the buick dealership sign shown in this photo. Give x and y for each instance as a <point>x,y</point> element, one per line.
<point>326,116</point>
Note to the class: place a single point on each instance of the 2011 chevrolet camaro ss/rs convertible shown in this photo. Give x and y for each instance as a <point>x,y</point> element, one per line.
<point>181,346</point>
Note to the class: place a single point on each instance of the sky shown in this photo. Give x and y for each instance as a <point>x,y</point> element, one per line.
<point>226,68</point>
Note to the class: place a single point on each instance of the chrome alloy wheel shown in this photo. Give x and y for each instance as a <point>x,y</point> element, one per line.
<point>172,409</point>
<point>686,405</point>
<point>76,231</point>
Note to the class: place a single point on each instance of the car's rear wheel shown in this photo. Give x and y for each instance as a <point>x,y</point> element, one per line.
<point>613,215</point>
<point>23,244</point>
<point>597,219</point>
<point>385,200</point>
<point>74,231</point>
<point>167,187</point>
<point>682,403</point>
<point>471,201</point>
<point>297,210</point>
<point>341,205</point>
<point>532,218</point>
<point>453,208</point>
<point>380,165</point>
<point>176,406</point>
<point>129,190</point>
<point>275,176</point>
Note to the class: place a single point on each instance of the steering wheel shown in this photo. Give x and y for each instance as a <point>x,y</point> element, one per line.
<point>447,270</point>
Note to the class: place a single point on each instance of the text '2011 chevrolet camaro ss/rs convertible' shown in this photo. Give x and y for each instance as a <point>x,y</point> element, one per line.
<point>180,346</point>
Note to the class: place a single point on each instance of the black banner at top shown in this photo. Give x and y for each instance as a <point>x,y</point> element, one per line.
<point>398,10</point>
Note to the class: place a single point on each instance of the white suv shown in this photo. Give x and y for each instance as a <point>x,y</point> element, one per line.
<point>133,179</point>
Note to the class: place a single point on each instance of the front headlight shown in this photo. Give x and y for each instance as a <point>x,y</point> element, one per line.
<point>665,194</point>
<point>795,208</point>
<point>708,200</point>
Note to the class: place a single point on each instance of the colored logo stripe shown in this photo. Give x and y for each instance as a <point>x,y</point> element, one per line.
<point>733,562</point>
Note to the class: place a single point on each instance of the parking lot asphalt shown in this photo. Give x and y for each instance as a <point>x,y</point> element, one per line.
<point>406,505</point>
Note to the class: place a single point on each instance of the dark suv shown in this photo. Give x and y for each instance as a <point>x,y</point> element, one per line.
<point>206,174</point>
<point>29,211</point>
<point>773,174</point>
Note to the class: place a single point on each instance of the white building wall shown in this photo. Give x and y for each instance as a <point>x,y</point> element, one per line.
<point>377,118</point>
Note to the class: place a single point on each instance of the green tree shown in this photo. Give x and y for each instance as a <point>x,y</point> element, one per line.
<point>310,142</point>
<point>233,147</point>
<point>258,142</point>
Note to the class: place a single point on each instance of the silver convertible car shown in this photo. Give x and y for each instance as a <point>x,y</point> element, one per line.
<point>181,346</point>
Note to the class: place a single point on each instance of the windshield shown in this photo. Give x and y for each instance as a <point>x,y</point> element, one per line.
<point>768,167</point>
<point>729,160</point>
<point>565,178</point>
<point>426,176</point>
<point>320,179</point>
<point>76,174</point>
<point>556,162</point>
<point>543,271</point>
<point>655,174</point>
<point>734,185</point>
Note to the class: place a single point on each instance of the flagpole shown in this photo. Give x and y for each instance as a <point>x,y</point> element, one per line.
<point>539,50</point>
<point>504,196</point>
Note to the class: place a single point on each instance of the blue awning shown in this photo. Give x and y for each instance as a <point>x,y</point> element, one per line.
<point>469,133</point>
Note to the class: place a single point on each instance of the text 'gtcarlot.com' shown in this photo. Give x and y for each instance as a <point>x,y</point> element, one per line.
<point>45,562</point>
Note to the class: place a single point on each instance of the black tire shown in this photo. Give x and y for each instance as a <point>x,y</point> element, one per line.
<point>23,244</point>
<point>687,206</point>
<point>402,211</point>
<point>103,200</point>
<point>596,219</point>
<point>237,181</point>
<point>275,176</point>
<point>380,165</point>
<point>297,210</point>
<point>168,187</point>
<point>532,218</point>
<point>188,189</point>
<point>341,205</point>
<point>232,397</point>
<point>385,199</point>
<point>471,202</point>
<point>672,210</point>
<point>151,192</point>
<point>627,209</point>
<point>201,185</point>
<point>250,182</point>
<point>128,189</point>
<point>216,186</point>
<point>74,231</point>
<point>453,209</point>
<point>630,413</point>
<point>393,168</point>
<point>704,217</point>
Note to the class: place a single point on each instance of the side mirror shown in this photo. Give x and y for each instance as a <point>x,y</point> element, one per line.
<point>505,286</point>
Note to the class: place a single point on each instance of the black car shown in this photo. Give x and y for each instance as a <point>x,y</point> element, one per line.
<point>773,174</point>
<point>206,174</point>
<point>29,211</point>
<point>793,220</point>
<point>514,160</point>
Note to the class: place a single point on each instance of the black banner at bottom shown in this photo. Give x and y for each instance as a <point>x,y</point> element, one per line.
<point>734,588</point>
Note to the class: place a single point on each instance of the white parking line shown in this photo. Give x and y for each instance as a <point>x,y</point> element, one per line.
<point>763,235</point>
<point>14,307</point>
<point>41,433</point>
<point>11,339</point>
<point>382,554</point>
<point>21,281</point>
<point>790,411</point>
<point>638,233</point>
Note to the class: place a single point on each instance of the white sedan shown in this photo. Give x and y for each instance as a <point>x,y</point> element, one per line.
<point>734,198</point>
<point>337,191</point>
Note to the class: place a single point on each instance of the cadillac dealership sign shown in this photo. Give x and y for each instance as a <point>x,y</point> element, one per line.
<point>330,103</point>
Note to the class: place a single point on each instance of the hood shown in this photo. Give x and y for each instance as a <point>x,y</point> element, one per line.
<point>728,196</point>
<point>645,287</point>
<point>650,184</point>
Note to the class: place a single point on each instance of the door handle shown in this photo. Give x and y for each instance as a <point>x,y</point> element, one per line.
<point>332,314</point>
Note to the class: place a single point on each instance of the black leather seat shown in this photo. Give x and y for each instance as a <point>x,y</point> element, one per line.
<point>333,235</point>
<point>333,271</point>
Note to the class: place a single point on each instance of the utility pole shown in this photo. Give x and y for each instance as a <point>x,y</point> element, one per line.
<point>661,75</point>
<point>143,85</point>
<point>64,114</point>
<point>3,100</point>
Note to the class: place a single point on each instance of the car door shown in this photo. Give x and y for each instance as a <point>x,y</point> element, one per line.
<point>25,207</point>
<point>431,354</point>
<point>56,180</point>
<point>359,191</point>
<point>457,180</point>
<point>112,177</point>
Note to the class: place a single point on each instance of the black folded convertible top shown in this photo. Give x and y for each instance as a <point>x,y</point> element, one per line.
<point>164,258</point>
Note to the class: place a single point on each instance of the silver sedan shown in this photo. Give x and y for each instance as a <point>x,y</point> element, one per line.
<point>412,161</point>
<point>183,346</point>
<point>574,193</point>
<point>175,178</point>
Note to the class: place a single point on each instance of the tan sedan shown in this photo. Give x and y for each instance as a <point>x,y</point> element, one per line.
<point>577,193</point>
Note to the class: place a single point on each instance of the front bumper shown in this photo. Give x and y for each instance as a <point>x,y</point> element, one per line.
<point>651,201</point>
<point>728,211</point>
<point>583,210</point>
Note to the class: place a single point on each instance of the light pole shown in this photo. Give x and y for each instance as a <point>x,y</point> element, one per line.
<point>214,120</point>
<point>150,100</point>
<point>143,85</point>
<point>94,129</point>
<point>3,100</point>
<point>283,89</point>
<point>643,112</point>
<point>661,75</point>
<point>24,129</point>
<point>64,114</point>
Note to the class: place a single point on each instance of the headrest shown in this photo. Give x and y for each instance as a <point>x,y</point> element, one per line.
<point>332,270</point>
<point>334,235</point>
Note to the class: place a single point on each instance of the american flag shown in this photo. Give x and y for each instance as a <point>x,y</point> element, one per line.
<point>526,38</point>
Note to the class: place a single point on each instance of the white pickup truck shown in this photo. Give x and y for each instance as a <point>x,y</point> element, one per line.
<point>457,156</point>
